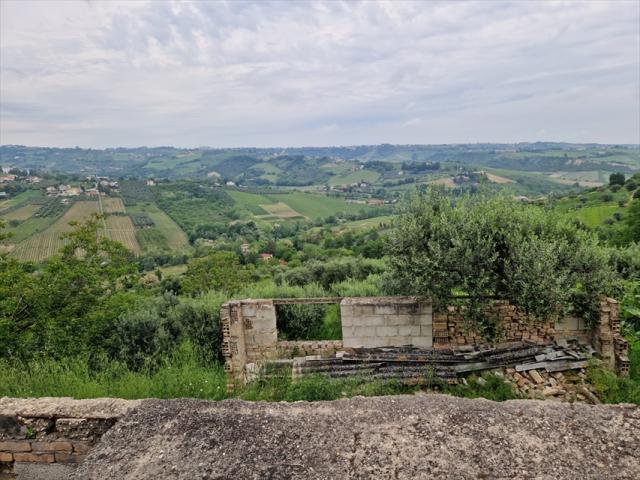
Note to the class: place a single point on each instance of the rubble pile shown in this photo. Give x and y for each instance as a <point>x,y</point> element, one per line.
<point>568,386</point>
<point>538,371</point>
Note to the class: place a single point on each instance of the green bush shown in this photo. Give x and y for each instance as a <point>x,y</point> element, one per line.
<point>331,272</point>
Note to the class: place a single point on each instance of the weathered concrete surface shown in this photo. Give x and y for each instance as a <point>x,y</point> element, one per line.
<point>401,437</point>
<point>57,407</point>
<point>43,471</point>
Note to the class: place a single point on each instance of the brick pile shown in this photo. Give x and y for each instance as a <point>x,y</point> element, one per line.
<point>568,386</point>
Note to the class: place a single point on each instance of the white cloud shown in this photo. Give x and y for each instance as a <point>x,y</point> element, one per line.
<point>294,73</point>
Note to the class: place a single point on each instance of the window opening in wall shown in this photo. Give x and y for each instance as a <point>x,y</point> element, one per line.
<point>309,322</point>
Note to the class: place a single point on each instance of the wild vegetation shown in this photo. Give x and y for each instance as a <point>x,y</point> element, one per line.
<point>82,308</point>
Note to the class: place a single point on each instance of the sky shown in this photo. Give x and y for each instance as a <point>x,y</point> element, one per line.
<point>237,74</point>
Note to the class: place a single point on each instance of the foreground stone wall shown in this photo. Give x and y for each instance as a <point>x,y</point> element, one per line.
<point>48,430</point>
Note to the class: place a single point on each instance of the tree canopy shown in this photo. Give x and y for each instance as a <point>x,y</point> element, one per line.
<point>483,248</point>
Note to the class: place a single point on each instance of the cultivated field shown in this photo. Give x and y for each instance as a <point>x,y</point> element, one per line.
<point>121,229</point>
<point>498,179</point>
<point>18,199</point>
<point>44,244</point>
<point>358,176</point>
<point>251,201</point>
<point>315,205</point>
<point>165,235</point>
<point>22,213</point>
<point>79,212</point>
<point>112,205</point>
<point>446,181</point>
<point>281,210</point>
<point>39,246</point>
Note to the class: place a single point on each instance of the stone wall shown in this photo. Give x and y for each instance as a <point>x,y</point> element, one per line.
<point>450,328</point>
<point>48,431</point>
<point>386,322</point>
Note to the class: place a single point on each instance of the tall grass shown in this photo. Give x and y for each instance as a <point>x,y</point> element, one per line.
<point>180,375</point>
<point>613,389</point>
<point>319,387</point>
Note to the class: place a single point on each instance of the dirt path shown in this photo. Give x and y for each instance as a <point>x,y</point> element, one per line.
<point>401,437</point>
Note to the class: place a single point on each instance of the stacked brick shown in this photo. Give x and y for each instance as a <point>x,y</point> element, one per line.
<point>451,329</point>
<point>607,339</point>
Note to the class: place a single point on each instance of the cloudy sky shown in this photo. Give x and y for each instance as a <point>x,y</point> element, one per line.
<point>100,74</point>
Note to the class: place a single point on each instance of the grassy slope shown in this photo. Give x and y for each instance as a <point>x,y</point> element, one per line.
<point>594,216</point>
<point>592,208</point>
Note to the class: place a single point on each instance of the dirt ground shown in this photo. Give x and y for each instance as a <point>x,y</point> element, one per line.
<point>399,437</point>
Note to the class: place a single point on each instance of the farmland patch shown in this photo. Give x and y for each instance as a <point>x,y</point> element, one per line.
<point>498,179</point>
<point>121,229</point>
<point>281,210</point>
<point>21,213</point>
<point>112,205</point>
<point>171,235</point>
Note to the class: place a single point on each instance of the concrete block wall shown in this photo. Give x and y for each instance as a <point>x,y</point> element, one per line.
<point>386,322</point>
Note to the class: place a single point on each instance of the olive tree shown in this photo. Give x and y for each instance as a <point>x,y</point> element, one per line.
<point>480,248</point>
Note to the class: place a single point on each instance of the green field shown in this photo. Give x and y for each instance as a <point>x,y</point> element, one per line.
<point>368,176</point>
<point>314,205</point>
<point>21,213</point>
<point>367,223</point>
<point>152,240</point>
<point>19,199</point>
<point>165,235</point>
<point>251,201</point>
<point>163,163</point>
<point>310,205</point>
<point>281,210</point>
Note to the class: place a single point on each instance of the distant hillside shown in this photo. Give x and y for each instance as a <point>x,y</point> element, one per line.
<point>530,168</point>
